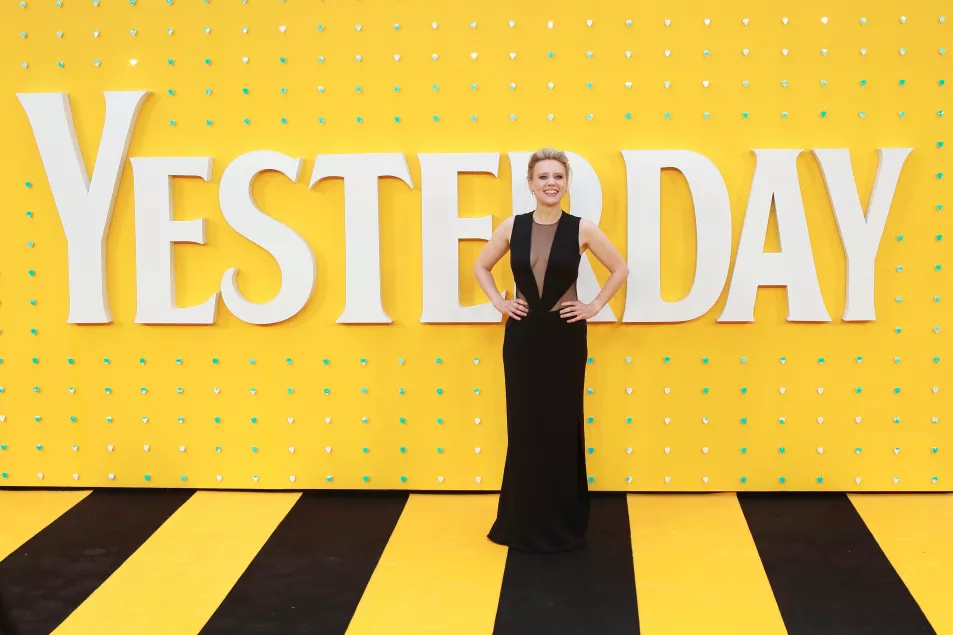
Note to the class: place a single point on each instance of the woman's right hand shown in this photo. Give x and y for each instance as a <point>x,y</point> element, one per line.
<point>516,308</point>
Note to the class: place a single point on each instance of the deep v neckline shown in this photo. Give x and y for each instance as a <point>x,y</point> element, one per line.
<point>549,257</point>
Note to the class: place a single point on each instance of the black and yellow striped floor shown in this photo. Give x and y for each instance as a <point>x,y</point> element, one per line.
<point>387,563</point>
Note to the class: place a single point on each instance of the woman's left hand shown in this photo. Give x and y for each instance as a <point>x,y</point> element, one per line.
<point>577,311</point>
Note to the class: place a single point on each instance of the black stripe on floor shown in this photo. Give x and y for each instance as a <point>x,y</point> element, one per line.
<point>50,575</point>
<point>827,572</point>
<point>582,592</point>
<point>311,573</point>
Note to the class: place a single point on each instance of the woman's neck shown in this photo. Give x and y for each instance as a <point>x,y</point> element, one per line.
<point>547,214</point>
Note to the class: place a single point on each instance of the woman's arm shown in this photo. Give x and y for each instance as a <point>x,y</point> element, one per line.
<point>599,244</point>
<point>494,249</point>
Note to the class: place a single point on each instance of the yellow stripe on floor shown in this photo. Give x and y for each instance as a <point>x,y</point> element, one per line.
<point>25,513</point>
<point>176,580</point>
<point>915,532</point>
<point>697,569</point>
<point>439,573</point>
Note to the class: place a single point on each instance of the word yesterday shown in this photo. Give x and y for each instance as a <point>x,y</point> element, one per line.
<point>85,209</point>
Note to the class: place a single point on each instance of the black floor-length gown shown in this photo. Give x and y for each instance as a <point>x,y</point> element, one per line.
<point>544,498</point>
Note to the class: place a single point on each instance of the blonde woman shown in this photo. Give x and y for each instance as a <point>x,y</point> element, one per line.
<point>544,498</point>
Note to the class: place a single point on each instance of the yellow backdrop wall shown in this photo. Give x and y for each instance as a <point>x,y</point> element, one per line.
<point>771,405</point>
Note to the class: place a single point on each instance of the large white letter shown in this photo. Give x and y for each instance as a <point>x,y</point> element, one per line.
<point>294,256</point>
<point>585,194</point>
<point>362,243</point>
<point>643,302</point>
<point>156,231</point>
<point>443,229</point>
<point>860,235</point>
<point>85,208</point>
<point>775,175</point>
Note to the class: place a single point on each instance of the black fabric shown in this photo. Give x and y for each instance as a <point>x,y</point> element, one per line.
<point>588,591</point>
<point>544,497</point>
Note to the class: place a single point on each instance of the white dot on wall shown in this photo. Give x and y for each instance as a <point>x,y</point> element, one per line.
<point>549,24</point>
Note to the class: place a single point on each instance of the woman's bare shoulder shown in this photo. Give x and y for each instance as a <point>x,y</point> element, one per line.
<point>506,227</point>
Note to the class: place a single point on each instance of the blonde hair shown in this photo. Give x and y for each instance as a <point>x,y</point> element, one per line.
<point>547,154</point>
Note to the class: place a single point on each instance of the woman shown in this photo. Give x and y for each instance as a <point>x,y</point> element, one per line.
<point>544,498</point>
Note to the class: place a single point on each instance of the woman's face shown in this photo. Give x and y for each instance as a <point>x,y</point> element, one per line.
<point>549,182</point>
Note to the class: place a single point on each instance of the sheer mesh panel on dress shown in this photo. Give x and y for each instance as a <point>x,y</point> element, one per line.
<point>540,246</point>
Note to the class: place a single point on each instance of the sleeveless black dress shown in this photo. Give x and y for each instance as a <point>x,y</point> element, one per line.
<point>544,497</point>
